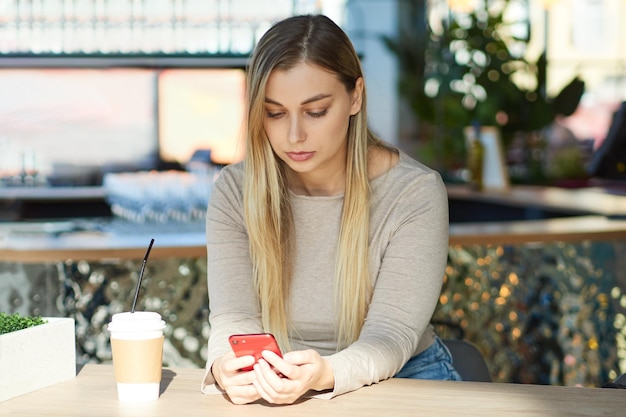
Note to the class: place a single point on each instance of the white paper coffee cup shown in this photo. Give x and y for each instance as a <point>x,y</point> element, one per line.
<point>137,348</point>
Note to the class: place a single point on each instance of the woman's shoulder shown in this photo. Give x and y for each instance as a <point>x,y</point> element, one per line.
<point>409,182</point>
<point>407,191</point>
<point>405,168</point>
<point>231,174</point>
<point>228,184</point>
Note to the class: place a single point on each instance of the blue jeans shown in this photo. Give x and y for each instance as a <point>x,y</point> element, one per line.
<point>435,363</point>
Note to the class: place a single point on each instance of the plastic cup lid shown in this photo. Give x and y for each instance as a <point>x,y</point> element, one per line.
<point>137,321</point>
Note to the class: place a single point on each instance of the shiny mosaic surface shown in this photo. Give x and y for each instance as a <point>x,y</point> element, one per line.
<point>543,314</point>
<point>92,292</point>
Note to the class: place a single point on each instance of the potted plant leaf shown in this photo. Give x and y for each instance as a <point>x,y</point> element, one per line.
<point>35,352</point>
<point>471,69</point>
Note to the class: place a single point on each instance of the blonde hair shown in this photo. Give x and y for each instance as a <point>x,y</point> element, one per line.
<point>316,40</point>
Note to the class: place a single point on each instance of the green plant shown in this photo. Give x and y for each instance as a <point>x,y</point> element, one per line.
<point>14,322</point>
<point>457,70</point>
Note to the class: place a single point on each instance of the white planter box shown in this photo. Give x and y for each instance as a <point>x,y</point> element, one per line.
<point>37,357</point>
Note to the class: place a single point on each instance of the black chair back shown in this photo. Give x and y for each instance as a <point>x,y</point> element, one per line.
<point>468,361</point>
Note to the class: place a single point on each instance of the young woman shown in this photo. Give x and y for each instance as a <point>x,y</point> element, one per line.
<point>324,235</point>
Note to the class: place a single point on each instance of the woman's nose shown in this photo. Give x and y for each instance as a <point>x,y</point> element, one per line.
<point>296,132</point>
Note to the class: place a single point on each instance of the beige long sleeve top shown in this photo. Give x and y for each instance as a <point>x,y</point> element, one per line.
<point>408,253</point>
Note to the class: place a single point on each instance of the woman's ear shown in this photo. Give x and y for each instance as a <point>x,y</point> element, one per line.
<point>357,96</point>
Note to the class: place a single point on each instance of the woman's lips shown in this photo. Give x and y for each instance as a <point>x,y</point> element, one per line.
<point>300,156</point>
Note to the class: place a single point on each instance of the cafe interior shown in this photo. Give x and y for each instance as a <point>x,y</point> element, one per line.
<point>116,116</point>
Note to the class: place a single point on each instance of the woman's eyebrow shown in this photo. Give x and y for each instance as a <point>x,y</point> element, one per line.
<point>315,98</point>
<point>307,101</point>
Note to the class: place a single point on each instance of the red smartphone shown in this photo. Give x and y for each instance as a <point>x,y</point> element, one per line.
<point>253,344</point>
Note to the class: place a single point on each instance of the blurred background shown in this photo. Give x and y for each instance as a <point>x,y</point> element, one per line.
<point>96,86</point>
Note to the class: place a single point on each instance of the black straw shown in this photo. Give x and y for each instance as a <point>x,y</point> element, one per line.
<point>143,267</point>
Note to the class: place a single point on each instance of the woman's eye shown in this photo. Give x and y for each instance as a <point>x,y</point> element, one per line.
<point>317,114</point>
<point>273,114</point>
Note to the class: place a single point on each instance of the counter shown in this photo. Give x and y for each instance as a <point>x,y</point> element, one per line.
<point>49,241</point>
<point>555,200</point>
<point>28,203</point>
<point>33,242</point>
<point>519,215</point>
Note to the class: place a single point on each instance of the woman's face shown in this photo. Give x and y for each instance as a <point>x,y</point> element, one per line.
<point>307,110</point>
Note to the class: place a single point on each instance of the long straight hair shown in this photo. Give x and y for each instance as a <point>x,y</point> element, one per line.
<point>314,40</point>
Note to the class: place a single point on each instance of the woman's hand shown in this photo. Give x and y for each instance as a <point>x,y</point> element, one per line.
<point>237,384</point>
<point>284,380</point>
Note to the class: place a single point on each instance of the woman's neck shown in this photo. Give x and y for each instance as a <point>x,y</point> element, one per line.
<point>321,184</point>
